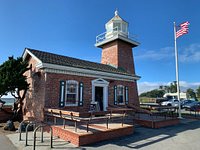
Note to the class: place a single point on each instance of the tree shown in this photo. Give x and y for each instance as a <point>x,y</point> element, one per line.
<point>198,92</point>
<point>191,94</point>
<point>3,91</point>
<point>13,80</point>
<point>153,93</point>
<point>173,87</point>
<point>169,89</point>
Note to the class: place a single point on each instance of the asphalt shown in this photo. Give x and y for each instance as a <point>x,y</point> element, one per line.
<point>6,144</point>
<point>184,136</point>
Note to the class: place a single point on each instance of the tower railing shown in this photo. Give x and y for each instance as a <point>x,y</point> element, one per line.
<point>112,33</point>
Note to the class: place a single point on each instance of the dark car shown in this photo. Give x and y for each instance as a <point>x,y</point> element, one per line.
<point>185,103</point>
<point>189,105</point>
<point>195,107</point>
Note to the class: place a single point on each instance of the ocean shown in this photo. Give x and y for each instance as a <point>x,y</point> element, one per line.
<point>9,101</point>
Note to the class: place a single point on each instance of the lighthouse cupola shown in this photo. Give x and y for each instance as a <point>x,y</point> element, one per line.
<point>116,26</point>
<point>117,44</point>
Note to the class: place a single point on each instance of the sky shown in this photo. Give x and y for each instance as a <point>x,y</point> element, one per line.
<point>70,27</point>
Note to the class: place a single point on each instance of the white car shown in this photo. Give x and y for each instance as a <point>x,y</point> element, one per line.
<point>171,102</point>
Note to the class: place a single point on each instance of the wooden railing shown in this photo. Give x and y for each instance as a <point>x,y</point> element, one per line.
<point>86,117</point>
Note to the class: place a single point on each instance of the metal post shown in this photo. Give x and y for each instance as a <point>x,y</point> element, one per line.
<point>107,122</point>
<point>75,124</point>
<point>63,123</point>
<point>32,123</point>
<point>42,134</point>
<point>34,135</point>
<point>177,73</point>
<point>20,129</point>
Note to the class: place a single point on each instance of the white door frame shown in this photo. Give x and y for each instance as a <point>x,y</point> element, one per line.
<point>101,83</point>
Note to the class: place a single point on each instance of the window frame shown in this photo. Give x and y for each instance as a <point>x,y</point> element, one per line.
<point>77,93</point>
<point>123,94</point>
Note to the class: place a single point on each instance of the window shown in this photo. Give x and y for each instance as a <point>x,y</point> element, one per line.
<point>117,26</point>
<point>124,28</point>
<point>71,93</point>
<point>71,98</point>
<point>120,94</point>
<point>109,28</point>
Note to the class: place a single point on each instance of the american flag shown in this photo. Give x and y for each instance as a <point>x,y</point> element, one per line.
<point>183,29</point>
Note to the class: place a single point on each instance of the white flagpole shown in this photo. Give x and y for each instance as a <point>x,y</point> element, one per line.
<point>177,73</point>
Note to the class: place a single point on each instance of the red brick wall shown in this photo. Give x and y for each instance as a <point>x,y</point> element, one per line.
<point>53,84</point>
<point>44,91</point>
<point>125,57</point>
<point>88,138</point>
<point>119,54</point>
<point>53,90</point>
<point>110,54</point>
<point>34,101</point>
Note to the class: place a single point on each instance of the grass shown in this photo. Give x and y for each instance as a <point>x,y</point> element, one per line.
<point>147,100</point>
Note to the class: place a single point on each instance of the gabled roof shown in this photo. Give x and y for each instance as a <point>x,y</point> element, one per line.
<point>50,58</point>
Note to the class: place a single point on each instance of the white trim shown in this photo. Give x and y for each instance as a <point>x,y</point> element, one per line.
<point>81,94</point>
<point>117,36</point>
<point>52,68</point>
<point>101,83</point>
<point>32,55</point>
<point>62,101</point>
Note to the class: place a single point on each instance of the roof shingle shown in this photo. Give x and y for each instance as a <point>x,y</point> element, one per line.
<point>51,58</point>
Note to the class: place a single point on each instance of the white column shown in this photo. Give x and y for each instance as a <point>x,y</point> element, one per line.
<point>93,93</point>
<point>105,98</point>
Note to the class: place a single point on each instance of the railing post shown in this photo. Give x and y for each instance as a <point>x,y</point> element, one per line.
<point>32,123</point>
<point>107,122</point>
<point>20,129</point>
<point>34,135</point>
<point>42,134</point>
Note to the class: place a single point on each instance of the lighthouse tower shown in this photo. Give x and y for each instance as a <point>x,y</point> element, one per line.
<point>117,44</point>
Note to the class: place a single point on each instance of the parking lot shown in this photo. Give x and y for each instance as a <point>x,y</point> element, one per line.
<point>184,136</point>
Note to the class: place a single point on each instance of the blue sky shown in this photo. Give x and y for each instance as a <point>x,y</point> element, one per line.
<point>69,27</point>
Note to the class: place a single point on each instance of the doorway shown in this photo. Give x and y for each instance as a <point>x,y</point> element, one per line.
<point>100,93</point>
<point>99,96</point>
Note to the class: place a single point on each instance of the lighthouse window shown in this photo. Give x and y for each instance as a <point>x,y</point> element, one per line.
<point>124,29</point>
<point>117,26</point>
<point>109,28</point>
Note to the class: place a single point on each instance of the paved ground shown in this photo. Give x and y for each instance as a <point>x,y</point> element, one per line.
<point>183,136</point>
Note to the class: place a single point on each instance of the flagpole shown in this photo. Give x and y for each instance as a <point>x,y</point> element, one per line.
<point>177,73</point>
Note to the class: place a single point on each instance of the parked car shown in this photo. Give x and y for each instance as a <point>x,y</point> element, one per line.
<point>171,102</point>
<point>195,107</point>
<point>184,103</point>
<point>160,100</point>
<point>189,105</point>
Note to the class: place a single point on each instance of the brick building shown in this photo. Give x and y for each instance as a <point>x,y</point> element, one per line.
<point>63,82</point>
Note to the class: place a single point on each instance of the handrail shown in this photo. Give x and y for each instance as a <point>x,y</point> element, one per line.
<point>31,123</point>
<point>20,129</point>
<point>90,116</point>
<point>34,135</point>
<point>114,31</point>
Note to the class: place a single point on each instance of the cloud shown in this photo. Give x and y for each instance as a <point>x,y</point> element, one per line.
<point>190,54</point>
<point>148,86</point>
<point>163,53</point>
